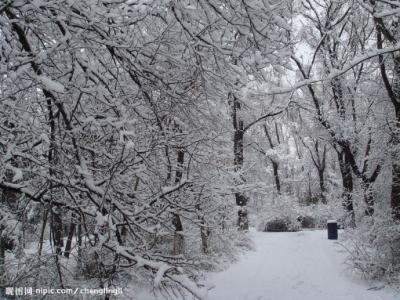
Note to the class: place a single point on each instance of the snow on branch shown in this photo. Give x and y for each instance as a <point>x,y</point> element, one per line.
<point>88,177</point>
<point>272,114</point>
<point>34,196</point>
<point>51,85</point>
<point>169,189</point>
<point>164,270</point>
<point>336,73</point>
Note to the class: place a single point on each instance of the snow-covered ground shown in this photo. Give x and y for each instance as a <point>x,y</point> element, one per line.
<point>293,266</point>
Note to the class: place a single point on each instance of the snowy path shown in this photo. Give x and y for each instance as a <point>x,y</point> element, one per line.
<point>293,266</point>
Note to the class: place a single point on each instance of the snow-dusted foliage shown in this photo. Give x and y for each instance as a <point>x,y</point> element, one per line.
<point>373,250</point>
<point>115,137</point>
<point>100,128</point>
<point>296,215</point>
<point>137,136</point>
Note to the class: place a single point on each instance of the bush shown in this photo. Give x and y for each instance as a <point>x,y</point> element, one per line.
<point>287,210</point>
<point>374,249</point>
<point>281,225</point>
<point>307,222</point>
<point>7,243</point>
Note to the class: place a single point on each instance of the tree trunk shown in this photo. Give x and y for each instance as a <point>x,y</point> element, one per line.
<point>369,200</point>
<point>179,241</point>
<point>238,149</point>
<point>2,252</point>
<point>41,239</point>
<point>393,90</point>
<point>310,200</point>
<point>275,167</point>
<point>71,232</point>
<point>322,186</point>
<point>347,181</point>
<point>204,233</point>
<point>178,246</point>
<point>238,137</point>
<point>79,244</point>
<point>395,192</point>
<point>204,230</point>
<point>241,199</point>
<point>56,227</point>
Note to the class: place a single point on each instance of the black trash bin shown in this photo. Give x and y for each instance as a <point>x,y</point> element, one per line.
<point>332,230</point>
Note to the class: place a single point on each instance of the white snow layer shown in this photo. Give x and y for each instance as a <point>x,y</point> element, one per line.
<point>51,84</point>
<point>291,266</point>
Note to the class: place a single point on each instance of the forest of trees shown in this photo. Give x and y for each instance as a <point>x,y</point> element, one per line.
<point>139,139</point>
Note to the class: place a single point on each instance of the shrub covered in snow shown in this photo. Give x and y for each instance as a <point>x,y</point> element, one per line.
<point>286,214</point>
<point>307,221</point>
<point>281,225</point>
<point>374,248</point>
